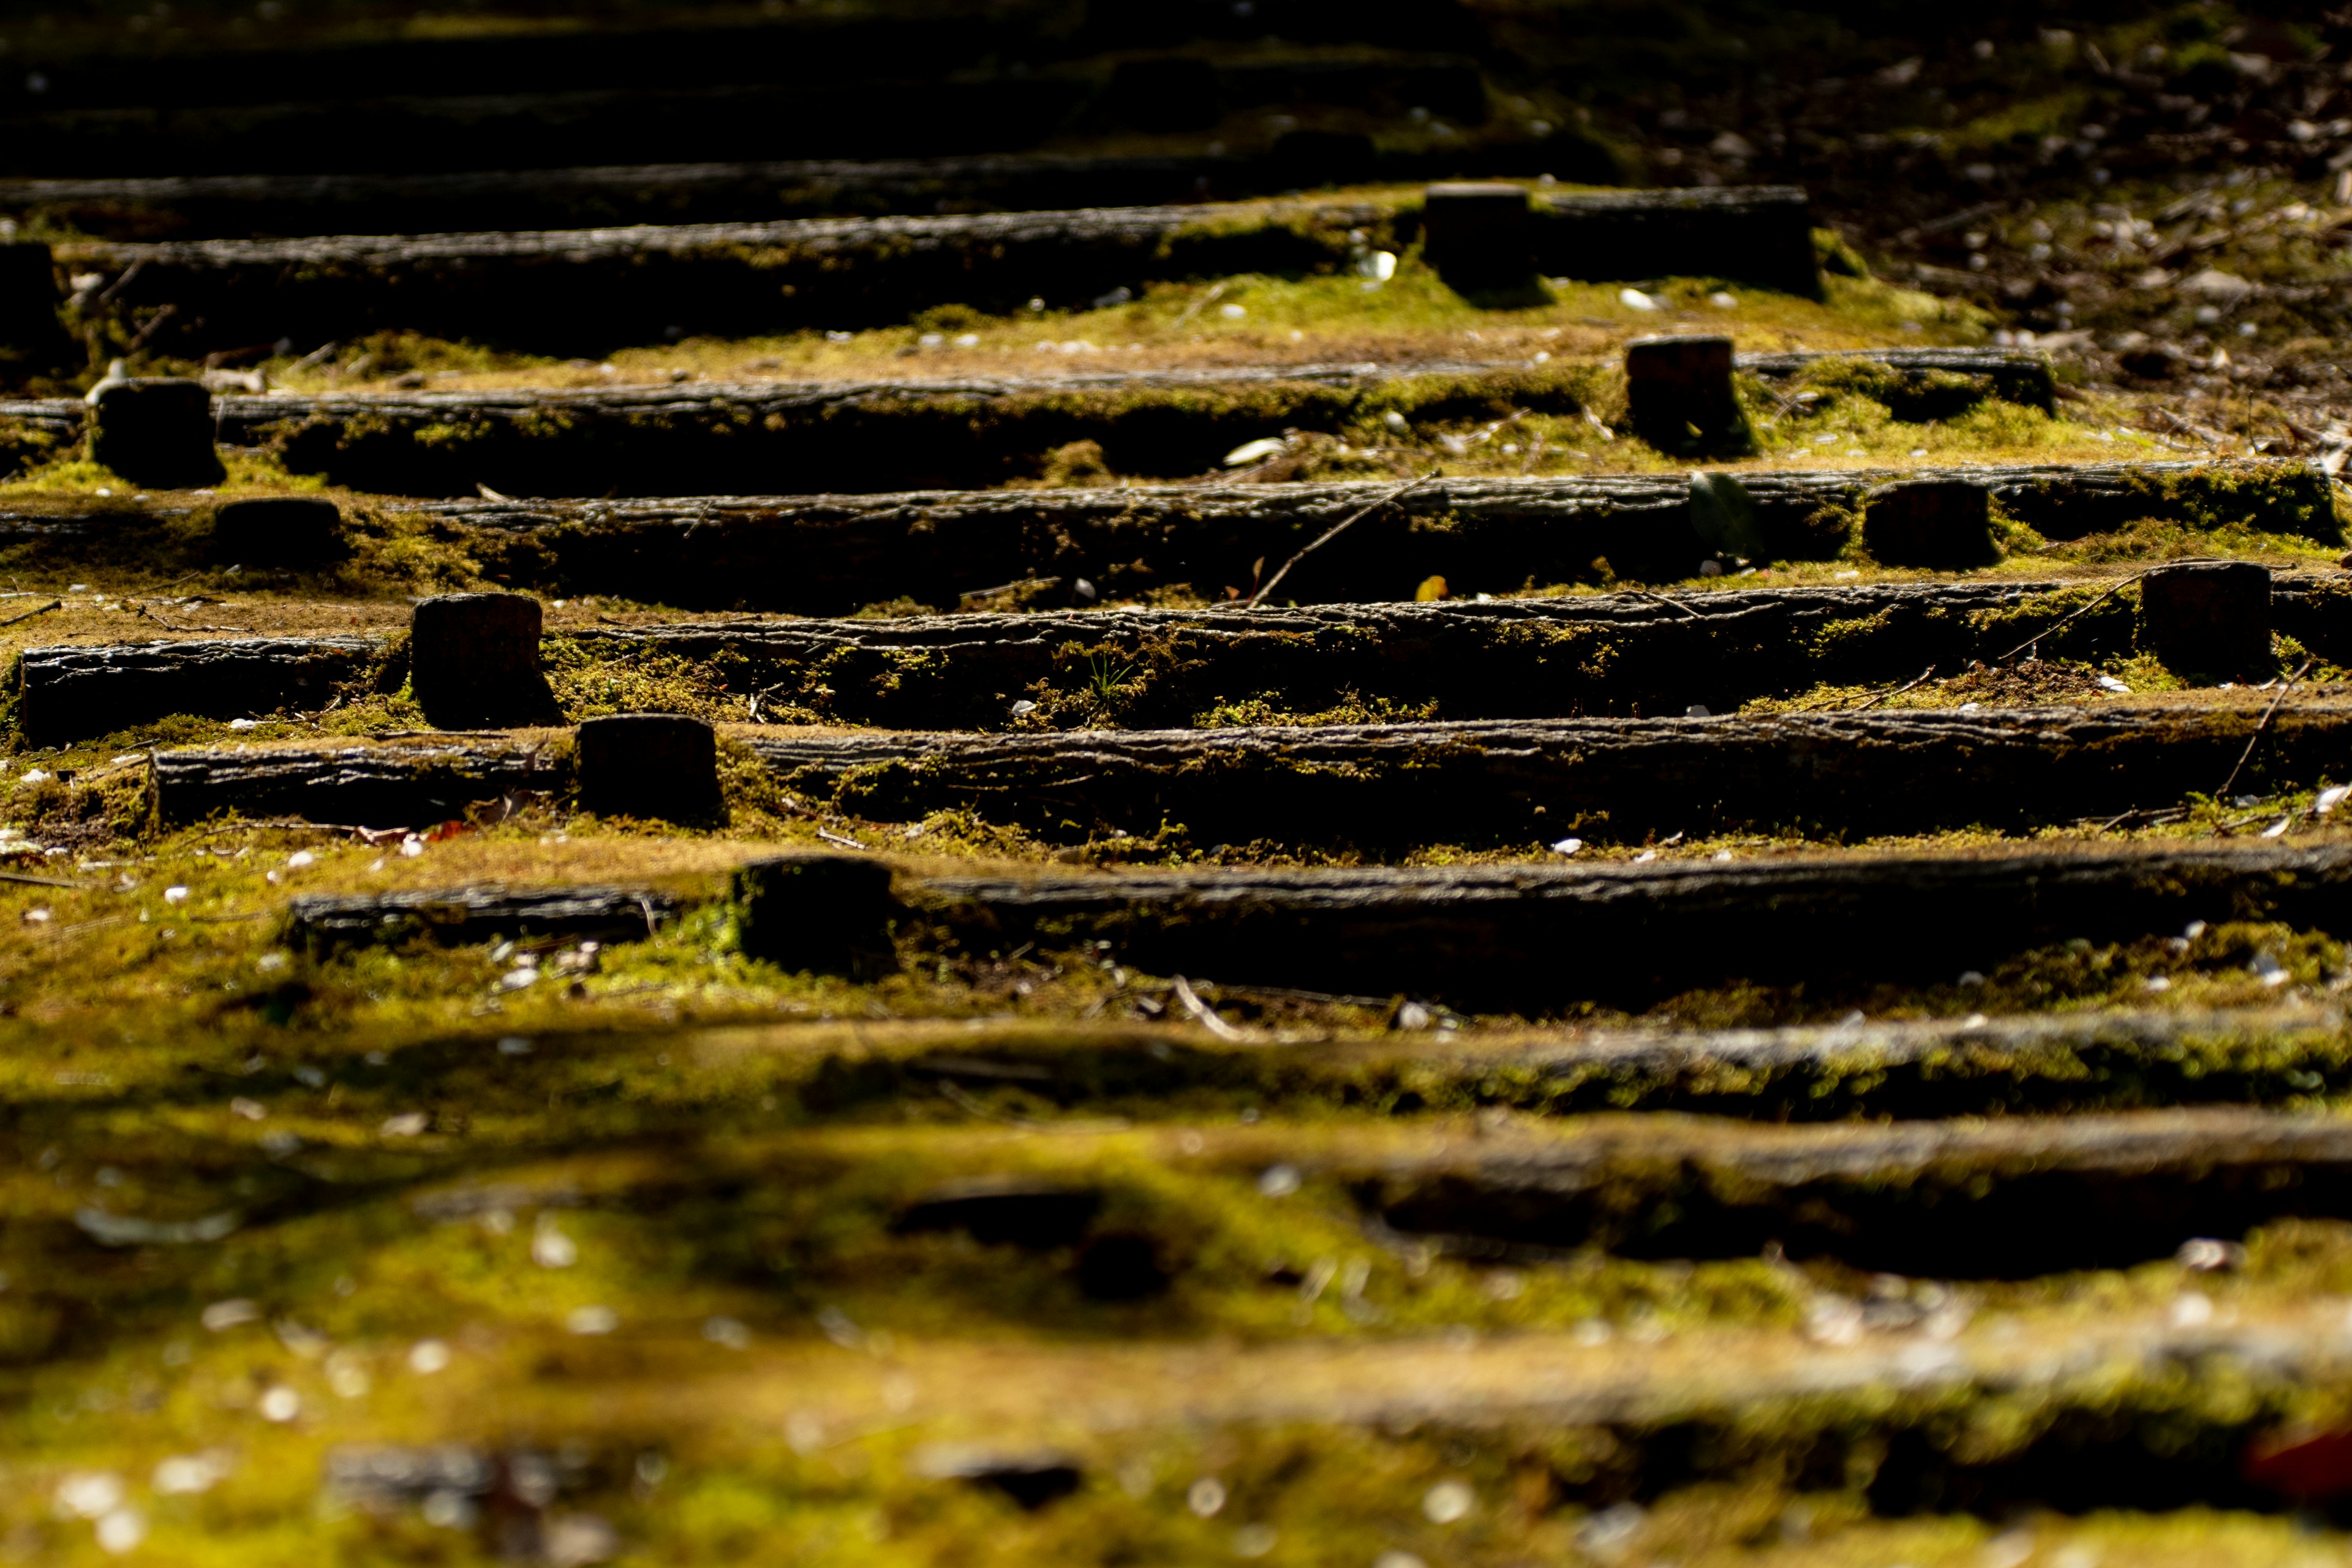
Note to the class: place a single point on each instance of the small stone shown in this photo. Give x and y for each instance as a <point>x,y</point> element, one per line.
<point>156,432</point>
<point>830,914</point>
<point>592,1320</point>
<point>1030,1479</point>
<point>473,660</point>
<point>1938,524</point>
<point>1678,395</point>
<point>277,531</point>
<point>663,766</point>
<point>1478,236</point>
<point>2207,1256</point>
<point>1448,1501</point>
<point>2208,618</point>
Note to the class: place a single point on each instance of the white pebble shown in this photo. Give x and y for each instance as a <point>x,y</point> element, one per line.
<point>1278,1181</point>
<point>1567,845</point>
<point>592,1320</point>
<point>89,1494</point>
<point>1636,300</point>
<point>122,1530</point>
<point>550,1247</point>
<point>1448,1501</point>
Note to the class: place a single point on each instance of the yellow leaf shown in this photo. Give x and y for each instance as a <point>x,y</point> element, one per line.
<point>1431,588</point>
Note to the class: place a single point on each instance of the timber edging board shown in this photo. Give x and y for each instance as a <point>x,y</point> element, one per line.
<point>830,555</point>
<point>1538,938</point>
<point>1386,785</point>
<point>1619,654</point>
<point>1525,938</point>
<point>591,290</point>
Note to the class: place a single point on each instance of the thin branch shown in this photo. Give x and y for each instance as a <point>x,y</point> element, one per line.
<point>2263,723</point>
<point>32,882</point>
<point>1197,306</point>
<point>1662,599</point>
<point>1333,533</point>
<point>1898,691</point>
<point>2113,589</point>
<point>1206,1015</point>
<point>29,614</point>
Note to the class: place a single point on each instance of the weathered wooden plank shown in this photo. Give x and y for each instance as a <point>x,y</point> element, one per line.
<point>2018,375</point>
<point>1622,654</point>
<point>851,435</point>
<point>74,693</point>
<point>2010,1198</point>
<point>1390,786</point>
<point>472,111</point>
<point>1538,938</point>
<point>591,290</point>
<point>231,207</point>
<point>832,554</point>
<point>370,786</point>
<point>324,923</point>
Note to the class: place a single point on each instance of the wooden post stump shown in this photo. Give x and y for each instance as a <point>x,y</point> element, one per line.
<point>277,531</point>
<point>156,432</point>
<point>2211,618</point>
<point>1478,236</point>
<point>830,914</point>
<point>473,660</point>
<point>1678,392</point>
<point>661,766</point>
<point>1929,522</point>
<point>28,301</point>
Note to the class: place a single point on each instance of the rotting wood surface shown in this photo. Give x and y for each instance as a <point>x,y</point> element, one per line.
<point>1389,785</point>
<point>832,554</point>
<point>73,693</point>
<point>1537,939</point>
<point>325,923</point>
<point>1398,785</point>
<point>1622,654</point>
<point>590,291</point>
<point>2009,1197</point>
<point>894,435</point>
<point>381,787</point>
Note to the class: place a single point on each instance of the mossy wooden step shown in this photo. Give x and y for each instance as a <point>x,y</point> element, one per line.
<point>1624,654</point>
<point>1536,939</point>
<point>830,555</point>
<point>233,206</point>
<point>80,691</point>
<point>417,783</point>
<point>948,95</point>
<point>2009,1198</point>
<point>1913,380</point>
<point>1391,787</point>
<point>324,923</point>
<point>2052,1063</point>
<point>592,291</point>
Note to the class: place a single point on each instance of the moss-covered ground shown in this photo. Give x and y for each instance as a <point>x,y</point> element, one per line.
<point>620,1248</point>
